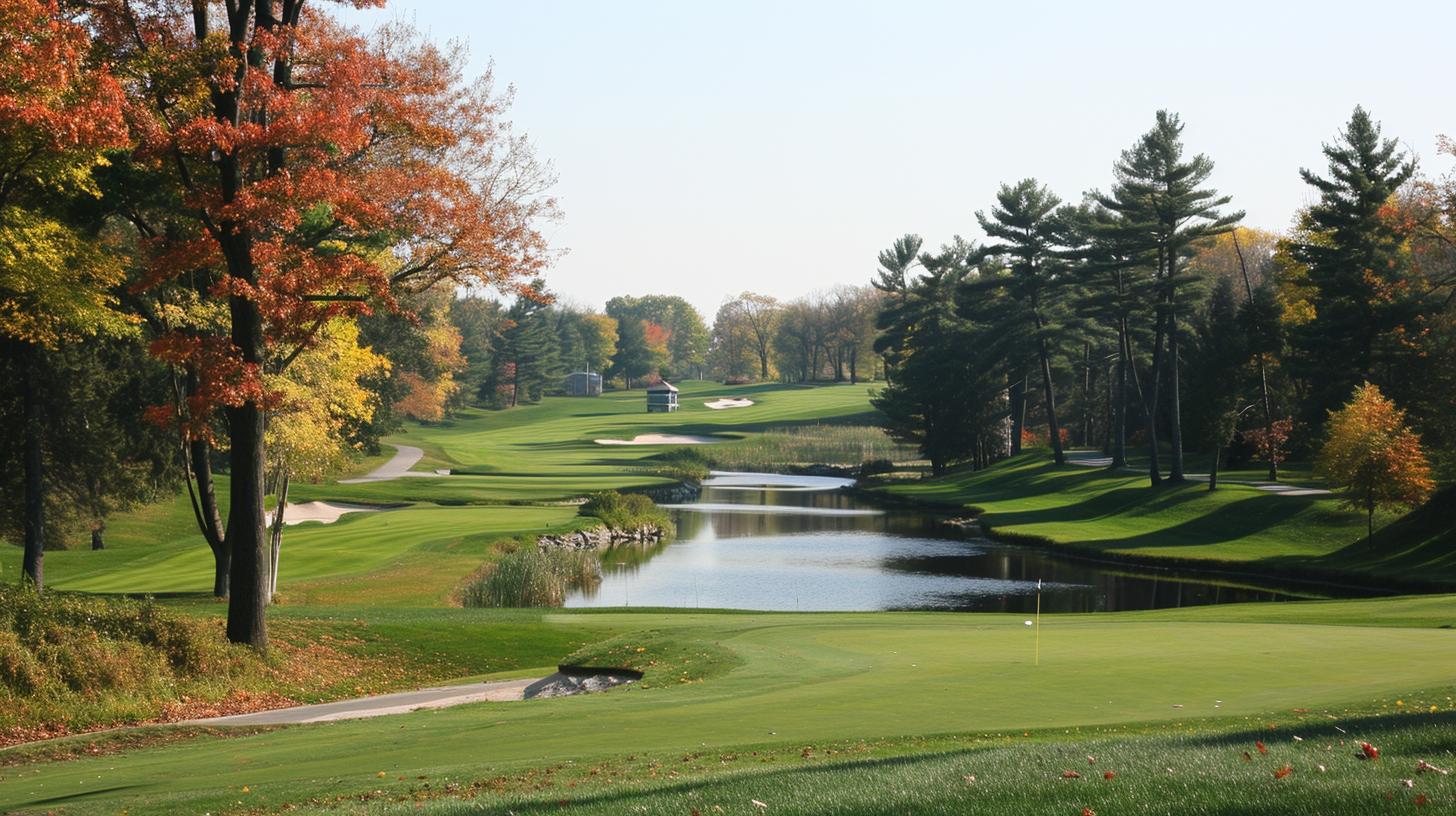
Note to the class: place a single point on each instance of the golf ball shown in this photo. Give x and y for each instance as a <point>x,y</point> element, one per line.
<point>1028,623</point>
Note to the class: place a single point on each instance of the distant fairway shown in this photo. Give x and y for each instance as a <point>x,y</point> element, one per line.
<point>535,454</point>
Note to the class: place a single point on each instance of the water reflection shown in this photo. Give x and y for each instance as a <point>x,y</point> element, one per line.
<point>783,548</point>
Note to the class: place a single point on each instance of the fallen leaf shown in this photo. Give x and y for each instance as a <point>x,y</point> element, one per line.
<point>758,804</point>
<point>1071,775</point>
<point>1283,772</point>
<point>1108,775</point>
<point>1423,766</point>
<point>1369,751</point>
<point>1263,749</point>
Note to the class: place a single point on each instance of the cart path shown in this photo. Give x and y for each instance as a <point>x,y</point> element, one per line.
<point>381,705</point>
<point>405,457</point>
<point>1086,459</point>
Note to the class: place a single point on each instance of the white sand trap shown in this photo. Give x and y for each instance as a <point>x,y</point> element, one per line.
<point>325,511</point>
<point>728,402</point>
<point>662,439</point>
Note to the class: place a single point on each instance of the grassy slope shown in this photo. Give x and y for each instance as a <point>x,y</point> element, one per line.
<point>416,555</point>
<point>807,679</point>
<point>1119,514</point>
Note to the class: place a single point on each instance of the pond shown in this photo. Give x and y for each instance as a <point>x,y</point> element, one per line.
<point>770,542</point>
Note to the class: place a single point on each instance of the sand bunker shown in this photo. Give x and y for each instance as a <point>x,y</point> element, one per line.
<point>325,511</point>
<point>662,439</point>
<point>728,402</point>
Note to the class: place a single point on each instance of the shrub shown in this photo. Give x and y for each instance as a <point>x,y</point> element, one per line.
<point>73,661</point>
<point>625,511</point>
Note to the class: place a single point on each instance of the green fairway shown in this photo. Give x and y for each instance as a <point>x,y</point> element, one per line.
<point>416,555</point>
<point>1236,525</point>
<point>818,677</point>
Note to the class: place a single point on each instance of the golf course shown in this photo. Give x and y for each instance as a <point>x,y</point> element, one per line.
<point>917,712</point>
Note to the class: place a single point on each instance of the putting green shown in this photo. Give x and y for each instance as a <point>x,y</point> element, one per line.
<point>807,678</point>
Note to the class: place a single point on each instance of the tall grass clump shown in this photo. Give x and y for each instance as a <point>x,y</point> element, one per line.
<point>625,511</point>
<point>682,464</point>
<point>839,445</point>
<point>70,662</point>
<point>531,577</point>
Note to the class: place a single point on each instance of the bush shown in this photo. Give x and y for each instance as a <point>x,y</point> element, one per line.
<point>625,511</point>
<point>531,577</point>
<point>73,661</point>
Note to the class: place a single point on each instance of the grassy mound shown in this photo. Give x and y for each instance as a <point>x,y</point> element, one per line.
<point>662,658</point>
<point>70,662</point>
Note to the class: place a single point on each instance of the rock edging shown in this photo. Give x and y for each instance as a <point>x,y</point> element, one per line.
<point>601,537</point>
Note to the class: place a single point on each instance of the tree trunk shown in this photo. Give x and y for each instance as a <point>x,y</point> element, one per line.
<point>1016,396</point>
<point>276,538</point>
<point>246,524</point>
<point>1151,406</point>
<point>1175,420</point>
<point>204,507</point>
<point>1054,430</point>
<point>33,561</point>
<point>1213,471</point>
<point>97,542</point>
<point>1259,361</point>
<point>1119,413</point>
<point>854,365</point>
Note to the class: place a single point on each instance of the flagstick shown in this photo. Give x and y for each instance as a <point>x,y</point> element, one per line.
<point>1038,622</point>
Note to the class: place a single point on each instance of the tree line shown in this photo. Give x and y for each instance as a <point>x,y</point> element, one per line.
<point>1144,320</point>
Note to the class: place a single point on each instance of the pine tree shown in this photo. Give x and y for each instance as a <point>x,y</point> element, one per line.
<point>1160,195</point>
<point>1356,264</point>
<point>1029,301</point>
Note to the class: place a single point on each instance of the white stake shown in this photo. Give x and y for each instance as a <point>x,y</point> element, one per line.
<point>1038,622</point>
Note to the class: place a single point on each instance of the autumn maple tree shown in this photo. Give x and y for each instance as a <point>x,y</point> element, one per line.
<point>1373,457</point>
<point>313,174</point>
<point>58,111</point>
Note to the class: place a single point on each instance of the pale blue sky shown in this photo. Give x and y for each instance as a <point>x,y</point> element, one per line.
<point>708,148</point>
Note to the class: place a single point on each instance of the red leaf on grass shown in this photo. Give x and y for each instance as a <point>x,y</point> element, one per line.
<point>1108,775</point>
<point>1071,775</point>
<point>1283,772</point>
<point>1370,751</point>
<point>1263,749</point>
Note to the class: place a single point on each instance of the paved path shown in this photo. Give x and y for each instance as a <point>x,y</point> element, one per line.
<point>405,457</point>
<point>1091,460</point>
<point>381,705</point>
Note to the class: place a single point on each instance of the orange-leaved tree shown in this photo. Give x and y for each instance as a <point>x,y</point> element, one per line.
<point>310,174</point>
<point>58,111</point>
<point>1373,457</point>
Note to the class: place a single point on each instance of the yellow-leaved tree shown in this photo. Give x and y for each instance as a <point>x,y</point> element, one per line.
<point>1372,456</point>
<point>58,111</point>
<point>320,396</point>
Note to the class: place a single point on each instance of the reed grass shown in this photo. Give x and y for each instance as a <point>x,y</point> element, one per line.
<point>839,445</point>
<point>531,577</point>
